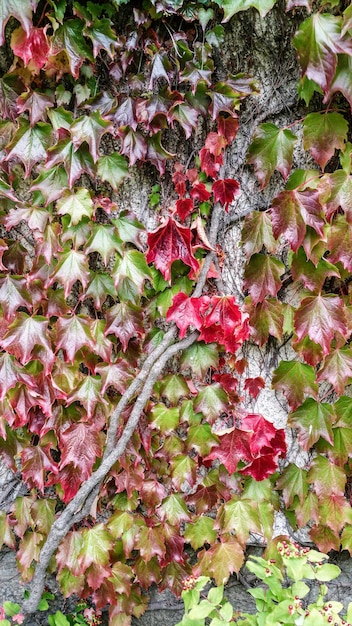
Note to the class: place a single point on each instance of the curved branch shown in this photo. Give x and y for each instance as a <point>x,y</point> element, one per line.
<point>80,505</point>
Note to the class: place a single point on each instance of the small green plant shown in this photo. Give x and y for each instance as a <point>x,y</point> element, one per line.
<point>280,602</point>
<point>83,615</point>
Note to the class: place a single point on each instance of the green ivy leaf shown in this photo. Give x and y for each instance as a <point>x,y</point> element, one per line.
<point>77,205</point>
<point>231,7</point>
<point>29,144</point>
<point>296,380</point>
<point>313,420</point>
<point>69,38</point>
<point>270,150</point>
<point>112,168</point>
<point>200,357</point>
<point>200,532</point>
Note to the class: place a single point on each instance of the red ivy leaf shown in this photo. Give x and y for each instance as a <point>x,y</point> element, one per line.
<point>184,207</point>
<point>262,467</point>
<point>225,191</point>
<point>35,463</point>
<point>225,324</point>
<point>254,385</point>
<point>80,445</point>
<point>234,447</point>
<point>186,311</point>
<point>215,143</point>
<point>209,163</point>
<point>169,243</point>
<point>200,192</point>
<point>32,47</point>
<point>228,127</point>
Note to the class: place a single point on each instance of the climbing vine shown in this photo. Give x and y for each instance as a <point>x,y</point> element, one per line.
<point>121,371</point>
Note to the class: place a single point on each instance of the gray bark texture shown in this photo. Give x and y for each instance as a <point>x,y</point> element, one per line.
<point>262,48</point>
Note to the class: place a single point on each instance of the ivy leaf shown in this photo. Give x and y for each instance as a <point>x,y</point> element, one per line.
<point>262,276</point>
<point>13,294</point>
<point>77,205</point>
<point>296,380</point>
<point>168,243</point>
<point>220,561</point>
<point>24,335</point>
<point>133,145</point>
<point>186,312</point>
<point>100,287</point>
<point>72,266</point>
<point>241,515</point>
<point>183,469</point>
<point>32,47</point>
<point>112,168</point>
<point>186,116</point>
<point>157,154</point>
<point>202,439</point>
<point>125,320</point>
<point>257,232</point>
<point>161,68</point>
<point>313,420</point>
<point>234,447</point>
<point>36,104</point>
<point>323,134</point>
<point>342,80</point>
<point>21,10</point>
<point>29,144</point>
<point>102,36</point>
<point>96,544</point>
<point>267,318</point>
<point>165,419</point>
<point>200,358</point>
<point>225,190</point>
<point>76,162</point>
<point>271,150</point>
<point>88,394</point>
<point>36,462</point>
<point>211,401</point>
<point>73,332</point>
<point>200,532</point>
<point>51,184</point>
<point>340,242</point>
<point>292,211</point>
<point>80,446</point>
<point>90,128</point>
<point>293,482</point>
<point>115,375</point>
<point>312,277</point>
<point>318,42</point>
<point>326,477</point>
<point>11,374</point>
<point>337,369</point>
<point>104,240</point>
<point>320,317</point>
<point>130,272</point>
<point>254,386</point>
<point>150,542</point>
<point>173,509</point>
<point>231,7</point>
<point>224,323</point>
<point>68,38</point>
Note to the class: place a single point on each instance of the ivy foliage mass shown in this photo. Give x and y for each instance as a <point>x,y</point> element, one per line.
<point>127,469</point>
